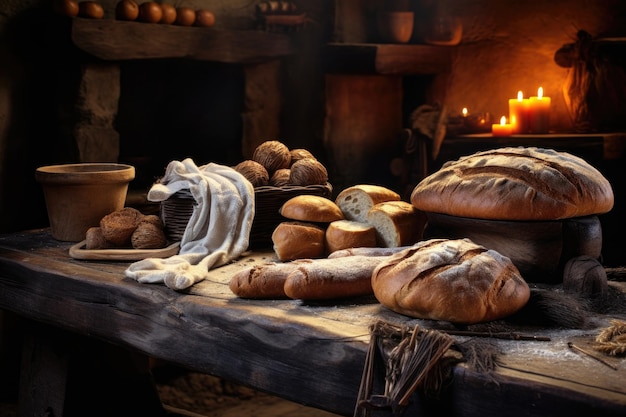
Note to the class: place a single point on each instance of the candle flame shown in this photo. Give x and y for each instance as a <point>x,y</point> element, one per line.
<point>520,96</point>
<point>540,93</point>
<point>464,111</point>
<point>502,121</point>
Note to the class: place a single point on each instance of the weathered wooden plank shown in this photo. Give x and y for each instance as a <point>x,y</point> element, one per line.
<point>117,40</point>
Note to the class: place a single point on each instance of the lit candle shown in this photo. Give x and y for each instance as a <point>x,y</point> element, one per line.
<point>539,113</point>
<point>464,111</point>
<point>518,113</point>
<point>502,129</point>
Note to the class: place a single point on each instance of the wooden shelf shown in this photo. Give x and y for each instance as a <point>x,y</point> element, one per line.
<point>388,59</point>
<point>116,40</point>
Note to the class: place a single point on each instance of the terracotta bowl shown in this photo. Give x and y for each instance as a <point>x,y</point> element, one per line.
<point>79,195</point>
<point>539,249</point>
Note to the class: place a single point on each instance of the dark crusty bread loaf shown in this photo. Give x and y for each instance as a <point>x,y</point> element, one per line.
<point>453,280</point>
<point>262,281</point>
<point>356,201</point>
<point>515,184</point>
<point>325,279</point>
<point>118,227</point>
<point>397,223</point>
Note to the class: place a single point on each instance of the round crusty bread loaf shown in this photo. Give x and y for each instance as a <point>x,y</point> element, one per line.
<point>515,184</point>
<point>298,240</point>
<point>397,223</point>
<point>356,201</point>
<point>453,280</point>
<point>311,208</point>
<point>344,234</point>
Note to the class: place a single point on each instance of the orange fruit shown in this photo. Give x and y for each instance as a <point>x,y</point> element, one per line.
<point>150,12</point>
<point>185,16</point>
<point>204,18</point>
<point>127,10</point>
<point>66,7</point>
<point>169,14</point>
<point>90,9</point>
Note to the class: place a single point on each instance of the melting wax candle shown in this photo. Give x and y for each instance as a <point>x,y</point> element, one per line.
<point>502,129</point>
<point>518,113</point>
<point>539,113</point>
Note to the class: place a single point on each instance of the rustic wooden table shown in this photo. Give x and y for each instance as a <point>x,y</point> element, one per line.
<point>313,354</point>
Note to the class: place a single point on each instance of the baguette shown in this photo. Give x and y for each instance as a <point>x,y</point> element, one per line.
<point>263,281</point>
<point>366,251</point>
<point>327,278</point>
<point>298,240</point>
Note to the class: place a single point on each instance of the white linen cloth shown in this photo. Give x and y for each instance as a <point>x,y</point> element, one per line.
<point>218,230</point>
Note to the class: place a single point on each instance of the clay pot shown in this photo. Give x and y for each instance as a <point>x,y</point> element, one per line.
<point>395,27</point>
<point>79,195</point>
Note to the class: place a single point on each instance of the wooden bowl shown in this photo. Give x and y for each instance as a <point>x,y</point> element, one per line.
<point>539,249</point>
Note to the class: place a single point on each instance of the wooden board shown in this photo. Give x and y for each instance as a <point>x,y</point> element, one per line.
<point>78,251</point>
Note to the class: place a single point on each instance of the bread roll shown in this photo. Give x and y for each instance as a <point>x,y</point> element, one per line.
<point>311,208</point>
<point>273,155</point>
<point>118,226</point>
<point>325,279</point>
<point>148,235</point>
<point>298,240</point>
<point>356,201</point>
<point>515,184</point>
<point>253,172</point>
<point>343,234</point>
<point>454,280</point>
<point>397,223</point>
<point>308,171</point>
<point>263,281</point>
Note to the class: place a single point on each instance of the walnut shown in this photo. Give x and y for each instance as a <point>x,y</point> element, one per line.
<point>273,155</point>
<point>280,177</point>
<point>308,172</point>
<point>298,154</point>
<point>154,219</point>
<point>148,236</point>
<point>254,172</point>
<point>94,239</point>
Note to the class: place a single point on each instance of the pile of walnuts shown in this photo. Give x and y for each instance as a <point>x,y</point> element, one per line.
<point>127,228</point>
<point>274,164</point>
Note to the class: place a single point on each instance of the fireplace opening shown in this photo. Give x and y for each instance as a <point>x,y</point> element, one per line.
<point>176,109</point>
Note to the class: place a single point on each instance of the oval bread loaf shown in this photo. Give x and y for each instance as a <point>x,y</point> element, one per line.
<point>298,240</point>
<point>397,223</point>
<point>453,280</point>
<point>344,234</point>
<point>515,184</point>
<point>356,201</point>
<point>311,208</point>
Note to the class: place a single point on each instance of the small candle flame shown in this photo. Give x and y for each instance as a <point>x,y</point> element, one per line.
<point>540,93</point>
<point>464,111</point>
<point>502,121</point>
<point>520,96</point>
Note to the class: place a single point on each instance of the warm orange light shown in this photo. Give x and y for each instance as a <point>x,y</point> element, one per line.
<point>502,121</point>
<point>464,111</point>
<point>520,96</point>
<point>540,93</point>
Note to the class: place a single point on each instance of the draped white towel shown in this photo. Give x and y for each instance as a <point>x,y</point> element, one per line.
<point>218,230</point>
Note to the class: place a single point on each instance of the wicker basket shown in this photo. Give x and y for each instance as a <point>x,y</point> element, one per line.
<point>177,210</point>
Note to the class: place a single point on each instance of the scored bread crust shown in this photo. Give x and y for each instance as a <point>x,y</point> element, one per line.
<point>397,223</point>
<point>515,184</point>
<point>311,208</point>
<point>356,201</point>
<point>453,280</point>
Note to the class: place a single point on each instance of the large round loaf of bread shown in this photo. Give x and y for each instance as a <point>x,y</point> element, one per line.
<point>515,184</point>
<point>453,280</point>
